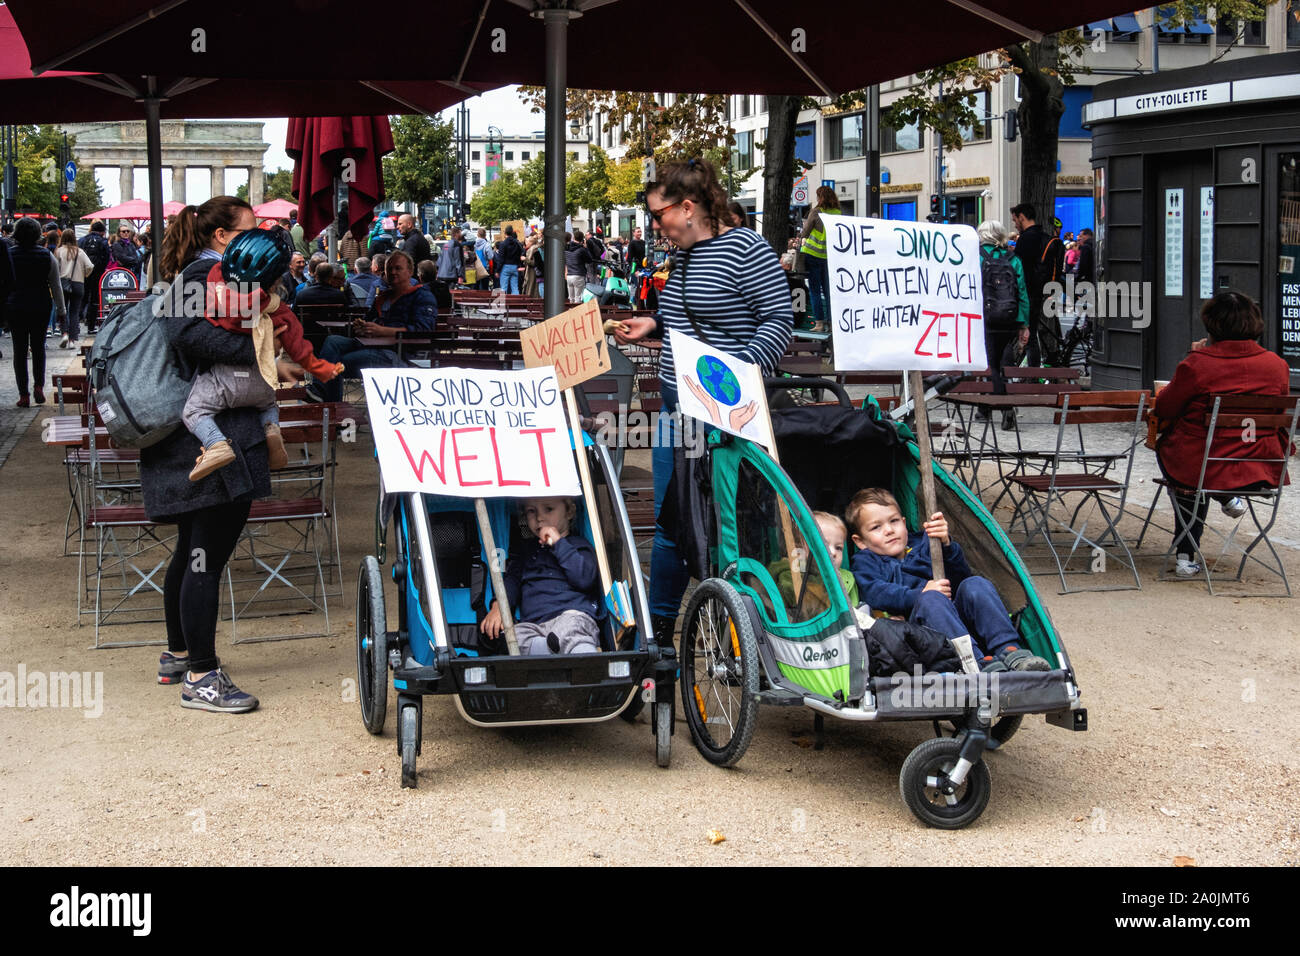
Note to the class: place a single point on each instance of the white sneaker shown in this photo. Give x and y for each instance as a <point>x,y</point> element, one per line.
<point>63,343</point>
<point>1187,568</point>
<point>1233,507</point>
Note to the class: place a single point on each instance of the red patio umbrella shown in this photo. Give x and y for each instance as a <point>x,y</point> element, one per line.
<point>323,148</point>
<point>275,209</point>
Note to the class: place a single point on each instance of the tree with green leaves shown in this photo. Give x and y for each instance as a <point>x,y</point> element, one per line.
<point>413,170</point>
<point>502,199</point>
<point>276,185</point>
<point>40,174</point>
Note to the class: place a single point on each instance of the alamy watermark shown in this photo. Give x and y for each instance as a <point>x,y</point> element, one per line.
<point>633,428</point>
<point>1103,300</point>
<point>947,691</point>
<point>83,690</point>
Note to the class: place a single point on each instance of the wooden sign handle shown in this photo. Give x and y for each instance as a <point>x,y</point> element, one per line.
<point>498,580</point>
<point>928,505</point>
<point>588,492</point>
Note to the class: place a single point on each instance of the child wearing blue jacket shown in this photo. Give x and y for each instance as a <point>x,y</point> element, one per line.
<point>553,582</point>
<point>892,569</point>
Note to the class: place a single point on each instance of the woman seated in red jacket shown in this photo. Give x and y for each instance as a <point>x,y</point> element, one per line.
<point>1230,361</point>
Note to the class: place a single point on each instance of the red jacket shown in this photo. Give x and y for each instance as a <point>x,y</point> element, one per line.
<point>229,310</point>
<point>1235,368</point>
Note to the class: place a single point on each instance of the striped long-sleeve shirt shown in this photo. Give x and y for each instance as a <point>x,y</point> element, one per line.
<point>739,296</point>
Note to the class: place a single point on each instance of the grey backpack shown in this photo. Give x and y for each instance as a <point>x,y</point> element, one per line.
<point>138,385</point>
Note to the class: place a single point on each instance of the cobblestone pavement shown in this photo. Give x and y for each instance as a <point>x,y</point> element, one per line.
<point>13,420</point>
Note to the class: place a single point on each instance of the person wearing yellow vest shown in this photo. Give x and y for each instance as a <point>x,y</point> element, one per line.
<point>813,248</point>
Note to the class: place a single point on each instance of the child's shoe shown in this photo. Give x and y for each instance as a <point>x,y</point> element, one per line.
<point>275,449</point>
<point>218,456</point>
<point>553,643</point>
<point>1022,659</point>
<point>1187,568</point>
<point>171,669</point>
<point>992,665</point>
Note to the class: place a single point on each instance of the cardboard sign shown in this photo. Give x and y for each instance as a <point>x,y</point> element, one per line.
<point>905,295</point>
<point>721,389</point>
<point>520,228</point>
<point>470,433</point>
<point>573,342</point>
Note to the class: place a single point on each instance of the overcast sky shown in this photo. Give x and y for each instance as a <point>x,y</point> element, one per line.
<point>501,108</point>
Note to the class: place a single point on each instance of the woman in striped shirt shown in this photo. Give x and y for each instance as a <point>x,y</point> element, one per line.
<point>728,289</point>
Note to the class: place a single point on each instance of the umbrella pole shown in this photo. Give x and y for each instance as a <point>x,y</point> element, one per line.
<point>332,233</point>
<point>557,55</point>
<point>153,148</point>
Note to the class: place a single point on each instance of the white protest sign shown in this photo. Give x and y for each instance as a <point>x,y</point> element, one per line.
<point>470,433</point>
<point>721,389</point>
<point>905,295</point>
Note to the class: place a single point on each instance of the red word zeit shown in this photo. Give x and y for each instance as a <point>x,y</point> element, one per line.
<point>475,458</point>
<point>949,334</point>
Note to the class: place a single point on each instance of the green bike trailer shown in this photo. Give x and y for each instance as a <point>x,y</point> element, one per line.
<point>771,624</point>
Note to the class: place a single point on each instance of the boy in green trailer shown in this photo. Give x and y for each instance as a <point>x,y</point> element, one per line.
<point>892,569</point>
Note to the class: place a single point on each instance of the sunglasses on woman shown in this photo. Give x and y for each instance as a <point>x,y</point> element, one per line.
<point>657,214</point>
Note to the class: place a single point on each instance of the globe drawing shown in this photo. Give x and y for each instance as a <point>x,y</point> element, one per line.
<point>718,380</point>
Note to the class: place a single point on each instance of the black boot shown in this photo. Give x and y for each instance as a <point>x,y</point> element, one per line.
<point>663,628</point>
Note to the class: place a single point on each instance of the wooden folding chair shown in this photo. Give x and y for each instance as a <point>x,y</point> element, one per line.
<point>1229,418</point>
<point>1043,496</point>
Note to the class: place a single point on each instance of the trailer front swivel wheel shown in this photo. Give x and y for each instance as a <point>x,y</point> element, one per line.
<point>663,733</point>
<point>928,792</point>
<point>408,742</point>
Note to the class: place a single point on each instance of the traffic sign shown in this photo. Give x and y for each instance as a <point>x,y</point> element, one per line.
<point>828,183</point>
<point>70,172</point>
<point>799,194</point>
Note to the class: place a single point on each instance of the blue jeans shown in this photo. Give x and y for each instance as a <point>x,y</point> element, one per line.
<point>340,348</point>
<point>668,574</point>
<point>510,280</point>
<point>819,302</point>
<point>975,609</point>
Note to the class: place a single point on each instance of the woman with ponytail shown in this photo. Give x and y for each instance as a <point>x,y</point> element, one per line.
<point>728,290</point>
<point>209,513</point>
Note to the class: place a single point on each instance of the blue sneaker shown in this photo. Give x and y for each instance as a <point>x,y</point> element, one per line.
<point>216,692</point>
<point>171,669</point>
<point>1022,659</point>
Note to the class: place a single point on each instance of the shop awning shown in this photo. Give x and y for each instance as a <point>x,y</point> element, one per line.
<point>1198,25</point>
<point>1161,14</point>
<point>1127,23</point>
<point>1099,25</point>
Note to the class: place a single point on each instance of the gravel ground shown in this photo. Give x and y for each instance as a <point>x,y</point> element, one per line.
<point>1189,699</point>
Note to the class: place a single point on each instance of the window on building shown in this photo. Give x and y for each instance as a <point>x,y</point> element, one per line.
<point>573,155</point>
<point>980,131</point>
<point>1243,32</point>
<point>901,140</point>
<point>746,105</point>
<point>901,210</point>
<point>1071,126</point>
<point>805,142</point>
<point>526,155</point>
<point>742,155</point>
<point>1293,24</point>
<point>475,178</point>
<point>844,137</point>
<point>510,155</point>
<point>474,155</point>
<point>762,104</point>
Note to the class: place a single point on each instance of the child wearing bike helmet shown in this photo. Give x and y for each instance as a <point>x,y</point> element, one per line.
<point>238,300</point>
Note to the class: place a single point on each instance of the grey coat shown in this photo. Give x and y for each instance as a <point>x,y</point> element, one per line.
<point>165,467</point>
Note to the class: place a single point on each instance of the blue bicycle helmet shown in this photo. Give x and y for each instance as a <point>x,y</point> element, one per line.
<point>258,256</point>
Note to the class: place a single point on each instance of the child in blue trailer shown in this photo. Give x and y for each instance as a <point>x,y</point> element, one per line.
<point>553,582</point>
<point>893,569</point>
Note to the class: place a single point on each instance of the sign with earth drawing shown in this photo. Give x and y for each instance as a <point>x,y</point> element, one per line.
<point>721,389</point>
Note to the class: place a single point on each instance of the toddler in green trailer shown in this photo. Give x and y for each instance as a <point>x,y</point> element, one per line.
<point>833,534</point>
<point>893,571</point>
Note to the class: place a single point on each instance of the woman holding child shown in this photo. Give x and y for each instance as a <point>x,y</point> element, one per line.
<point>209,513</point>
<point>729,291</point>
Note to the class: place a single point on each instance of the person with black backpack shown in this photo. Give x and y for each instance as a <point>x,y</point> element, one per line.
<point>95,245</point>
<point>1006,307</point>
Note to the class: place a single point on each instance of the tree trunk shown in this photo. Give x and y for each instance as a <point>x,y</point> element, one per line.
<point>1042,104</point>
<point>778,169</point>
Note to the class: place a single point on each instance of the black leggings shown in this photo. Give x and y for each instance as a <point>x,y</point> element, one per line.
<point>29,332</point>
<point>204,543</point>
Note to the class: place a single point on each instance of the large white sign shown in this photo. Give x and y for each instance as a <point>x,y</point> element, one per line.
<point>1173,242</point>
<point>471,433</point>
<point>720,389</point>
<point>905,295</point>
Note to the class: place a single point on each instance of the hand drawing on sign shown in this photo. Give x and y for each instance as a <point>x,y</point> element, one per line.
<point>720,385</point>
